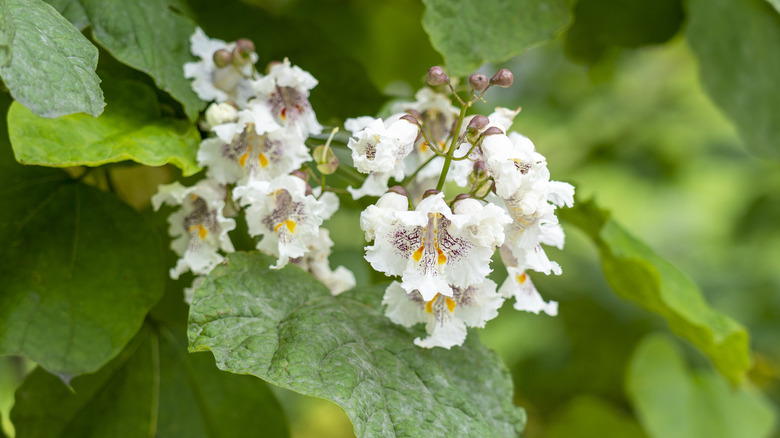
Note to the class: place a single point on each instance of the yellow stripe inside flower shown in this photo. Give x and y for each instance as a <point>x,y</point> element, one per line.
<point>521,278</point>
<point>290,225</point>
<point>263,160</point>
<point>242,160</point>
<point>449,301</point>
<point>202,231</point>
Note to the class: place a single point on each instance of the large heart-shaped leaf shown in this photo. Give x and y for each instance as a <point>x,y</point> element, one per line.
<point>285,327</point>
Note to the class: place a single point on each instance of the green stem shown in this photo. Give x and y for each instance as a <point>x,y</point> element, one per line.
<point>453,146</point>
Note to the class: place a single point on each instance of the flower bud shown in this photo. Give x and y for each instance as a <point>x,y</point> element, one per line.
<point>327,161</point>
<point>398,189</point>
<point>503,78</point>
<point>411,119</point>
<point>242,53</point>
<point>430,192</point>
<point>222,58</point>
<point>480,168</point>
<point>478,123</point>
<point>436,76</point>
<point>219,113</point>
<point>300,174</point>
<point>414,113</point>
<point>493,130</point>
<point>478,82</point>
<point>461,197</point>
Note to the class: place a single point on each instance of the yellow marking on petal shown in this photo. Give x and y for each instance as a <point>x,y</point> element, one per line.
<point>288,223</point>
<point>521,278</point>
<point>441,259</point>
<point>450,304</point>
<point>423,146</point>
<point>242,160</point>
<point>192,228</point>
<point>418,254</point>
<point>202,231</point>
<point>263,160</point>
<point>429,304</point>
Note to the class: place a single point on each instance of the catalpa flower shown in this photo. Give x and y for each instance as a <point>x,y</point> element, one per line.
<point>284,92</point>
<point>285,216</point>
<point>433,247</point>
<point>379,148</point>
<point>445,317</point>
<point>513,163</point>
<point>198,227</point>
<point>251,155</point>
<point>231,79</point>
<point>519,285</point>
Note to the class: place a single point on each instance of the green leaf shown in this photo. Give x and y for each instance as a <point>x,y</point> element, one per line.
<point>151,36</point>
<point>601,24</point>
<point>81,269</point>
<point>775,3</point>
<point>469,33</point>
<point>675,402</point>
<point>73,11</point>
<point>591,416</point>
<point>636,273</point>
<point>153,388</point>
<point>7,30</point>
<point>284,327</point>
<point>738,46</point>
<point>52,66</point>
<point>131,128</point>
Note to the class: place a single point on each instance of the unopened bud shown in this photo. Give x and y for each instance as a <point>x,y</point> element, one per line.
<point>480,167</point>
<point>430,192</point>
<point>478,123</point>
<point>242,53</point>
<point>493,130</point>
<point>503,78</point>
<point>271,65</point>
<point>414,113</point>
<point>461,197</point>
<point>398,189</point>
<point>436,76</point>
<point>300,174</point>
<point>411,119</point>
<point>478,82</point>
<point>327,161</point>
<point>222,58</point>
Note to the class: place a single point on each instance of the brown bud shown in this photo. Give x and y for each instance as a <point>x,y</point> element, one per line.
<point>478,82</point>
<point>461,197</point>
<point>222,58</point>
<point>414,113</point>
<point>480,167</point>
<point>411,119</point>
<point>436,76</point>
<point>327,161</point>
<point>493,130</point>
<point>398,189</point>
<point>430,192</point>
<point>503,78</point>
<point>243,51</point>
<point>300,174</point>
<point>478,122</point>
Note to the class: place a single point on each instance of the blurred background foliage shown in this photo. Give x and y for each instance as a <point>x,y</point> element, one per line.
<point>616,104</point>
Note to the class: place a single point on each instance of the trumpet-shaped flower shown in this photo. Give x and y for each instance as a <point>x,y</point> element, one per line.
<point>198,227</point>
<point>519,285</point>
<point>284,92</point>
<point>379,148</point>
<point>284,215</point>
<point>433,247</point>
<point>445,317</point>
<point>251,155</point>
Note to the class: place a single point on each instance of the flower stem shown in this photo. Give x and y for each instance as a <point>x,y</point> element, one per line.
<point>455,136</point>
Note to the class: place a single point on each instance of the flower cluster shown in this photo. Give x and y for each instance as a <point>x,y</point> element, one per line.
<point>463,189</point>
<point>442,250</point>
<point>259,125</point>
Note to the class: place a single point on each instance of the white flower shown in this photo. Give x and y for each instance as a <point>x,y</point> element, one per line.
<point>513,163</point>
<point>284,93</point>
<point>286,217</point>
<point>198,227</point>
<point>379,148</point>
<point>433,247</point>
<point>446,318</point>
<point>316,262</point>
<point>212,83</point>
<point>251,155</point>
<point>520,286</point>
